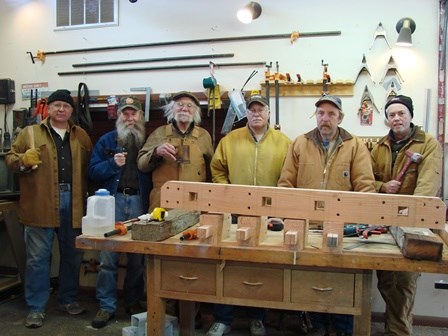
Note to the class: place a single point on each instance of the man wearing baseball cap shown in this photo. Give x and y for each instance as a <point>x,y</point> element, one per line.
<point>330,158</point>
<point>251,155</point>
<point>422,178</point>
<point>113,166</point>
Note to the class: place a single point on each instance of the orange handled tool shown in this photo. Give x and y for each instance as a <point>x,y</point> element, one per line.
<point>189,235</point>
<point>121,228</point>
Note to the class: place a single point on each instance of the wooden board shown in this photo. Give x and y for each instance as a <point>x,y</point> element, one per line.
<point>177,221</point>
<point>418,243</point>
<point>315,205</point>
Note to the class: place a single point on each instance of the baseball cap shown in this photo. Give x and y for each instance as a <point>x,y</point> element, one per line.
<point>181,94</point>
<point>400,99</point>
<point>131,102</point>
<point>336,101</point>
<point>257,98</point>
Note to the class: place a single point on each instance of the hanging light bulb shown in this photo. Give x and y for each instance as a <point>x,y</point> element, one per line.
<point>249,12</point>
<point>405,27</point>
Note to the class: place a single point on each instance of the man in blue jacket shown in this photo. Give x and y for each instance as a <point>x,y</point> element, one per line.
<point>114,167</point>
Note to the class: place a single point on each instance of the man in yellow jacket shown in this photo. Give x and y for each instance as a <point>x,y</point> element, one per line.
<point>251,155</point>
<point>423,179</point>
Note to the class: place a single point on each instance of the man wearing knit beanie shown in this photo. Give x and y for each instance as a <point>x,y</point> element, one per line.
<point>398,289</point>
<point>54,153</point>
<point>61,95</point>
<point>403,100</point>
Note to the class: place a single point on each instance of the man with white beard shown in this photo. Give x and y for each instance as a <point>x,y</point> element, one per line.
<point>113,166</point>
<point>181,150</point>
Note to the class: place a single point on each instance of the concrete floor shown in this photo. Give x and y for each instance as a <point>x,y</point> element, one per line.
<point>13,311</point>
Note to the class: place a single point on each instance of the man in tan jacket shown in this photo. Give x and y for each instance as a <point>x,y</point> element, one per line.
<point>328,157</point>
<point>179,151</point>
<point>423,179</point>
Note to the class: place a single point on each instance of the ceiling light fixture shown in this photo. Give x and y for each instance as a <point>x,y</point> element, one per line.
<point>249,12</point>
<point>405,27</point>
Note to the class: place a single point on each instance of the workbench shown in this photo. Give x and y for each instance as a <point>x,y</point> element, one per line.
<point>244,264</point>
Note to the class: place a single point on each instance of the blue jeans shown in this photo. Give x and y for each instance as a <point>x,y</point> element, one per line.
<point>126,207</point>
<point>224,313</point>
<point>38,245</point>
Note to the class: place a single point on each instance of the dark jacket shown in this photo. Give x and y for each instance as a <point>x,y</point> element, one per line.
<point>103,170</point>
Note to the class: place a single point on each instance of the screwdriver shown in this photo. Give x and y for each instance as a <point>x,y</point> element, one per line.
<point>121,228</point>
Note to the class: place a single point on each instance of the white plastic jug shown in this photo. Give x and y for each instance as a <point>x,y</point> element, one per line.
<point>100,216</point>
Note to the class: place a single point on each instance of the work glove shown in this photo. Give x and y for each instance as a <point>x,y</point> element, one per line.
<point>31,158</point>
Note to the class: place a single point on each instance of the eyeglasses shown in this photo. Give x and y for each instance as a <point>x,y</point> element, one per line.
<point>260,111</point>
<point>187,105</point>
<point>58,106</point>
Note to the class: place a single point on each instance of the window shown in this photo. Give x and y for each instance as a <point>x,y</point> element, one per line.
<point>75,14</point>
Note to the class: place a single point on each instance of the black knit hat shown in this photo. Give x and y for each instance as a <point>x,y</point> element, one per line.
<point>400,99</point>
<point>61,95</point>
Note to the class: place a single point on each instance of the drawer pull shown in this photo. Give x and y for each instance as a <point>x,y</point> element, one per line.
<point>183,277</point>
<point>320,289</point>
<point>252,283</point>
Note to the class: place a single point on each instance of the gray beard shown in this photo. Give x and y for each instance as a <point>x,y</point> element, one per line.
<point>138,132</point>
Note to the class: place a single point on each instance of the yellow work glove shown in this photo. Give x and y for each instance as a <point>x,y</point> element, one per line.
<point>31,158</point>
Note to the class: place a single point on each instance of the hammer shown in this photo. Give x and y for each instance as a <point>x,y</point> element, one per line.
<point>413,157</point>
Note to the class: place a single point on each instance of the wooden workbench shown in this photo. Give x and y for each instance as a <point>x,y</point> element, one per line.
<point>270,273</point>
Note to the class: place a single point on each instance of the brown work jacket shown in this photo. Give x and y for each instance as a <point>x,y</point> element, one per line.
<point>197,170</point>
<point>423,179</point>
<point>39,188</point>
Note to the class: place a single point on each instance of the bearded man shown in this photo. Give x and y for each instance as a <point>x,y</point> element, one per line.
<point>114,167</point>
<point>179,151</point>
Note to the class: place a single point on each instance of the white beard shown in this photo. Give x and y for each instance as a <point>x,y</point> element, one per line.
<point>138,132</point>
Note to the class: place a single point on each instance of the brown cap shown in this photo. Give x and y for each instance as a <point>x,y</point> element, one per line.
<point>257,98</point>
<point>181,94</point>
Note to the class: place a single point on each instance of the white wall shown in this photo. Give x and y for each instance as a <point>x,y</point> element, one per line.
<point>29,26</point>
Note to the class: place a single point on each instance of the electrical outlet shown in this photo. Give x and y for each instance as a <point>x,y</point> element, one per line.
<point>6,142</point>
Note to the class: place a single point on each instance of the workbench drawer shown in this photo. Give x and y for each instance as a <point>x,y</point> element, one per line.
<point>188,277</point>
<point>323,288</point>
<point>246,282</point>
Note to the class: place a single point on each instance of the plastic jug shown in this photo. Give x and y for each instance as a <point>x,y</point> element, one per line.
<point>100,216</point>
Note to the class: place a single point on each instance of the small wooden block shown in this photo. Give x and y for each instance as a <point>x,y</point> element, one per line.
<point>332,240</point>
<point>219,226</point>
<point>332,235</point>
<point>204,231</point>
<point>243,234</point>
<point>291,237</point>
<point>299,226</point>
<point>258,226</point>
<point>177,221</point>
<point>418,243</point>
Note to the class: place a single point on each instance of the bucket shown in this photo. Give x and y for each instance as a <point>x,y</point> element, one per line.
<point>100,216</point>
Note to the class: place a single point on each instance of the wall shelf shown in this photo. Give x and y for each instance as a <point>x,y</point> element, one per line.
<point>309,88</point>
